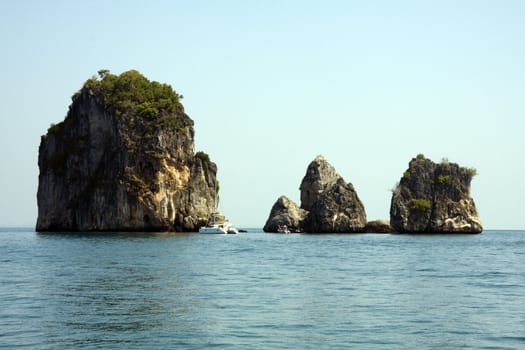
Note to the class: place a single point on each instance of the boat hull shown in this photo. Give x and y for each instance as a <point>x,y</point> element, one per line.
<point>213,230</point>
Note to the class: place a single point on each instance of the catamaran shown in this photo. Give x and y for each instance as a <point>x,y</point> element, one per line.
<point>218,225</point>
<point>214,229</point>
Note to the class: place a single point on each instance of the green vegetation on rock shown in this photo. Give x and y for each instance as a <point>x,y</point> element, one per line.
<point>420,204</point>
<point>138,100</point>
<point>443,179</point>
<point>472,171</point>
<point>204,157</point>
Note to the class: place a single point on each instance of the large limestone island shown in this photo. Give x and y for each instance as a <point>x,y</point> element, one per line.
<point>328,204</point>
<point>123,160</point>
<point>434,198</point>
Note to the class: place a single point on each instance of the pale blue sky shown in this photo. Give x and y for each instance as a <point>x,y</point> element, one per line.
<point>271,84</point>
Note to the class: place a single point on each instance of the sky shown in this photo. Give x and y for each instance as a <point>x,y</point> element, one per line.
<point>272,84</point>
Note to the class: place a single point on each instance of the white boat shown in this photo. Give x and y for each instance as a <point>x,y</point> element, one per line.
<point>214,229</point>
<point>218,223</point>
<point>221,229</point>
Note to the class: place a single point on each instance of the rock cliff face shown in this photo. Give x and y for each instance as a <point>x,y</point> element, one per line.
<point>337,210</point>
<point>434,198</point>
<point>123,160</point>
<point>328,204</point>
<point>320,175</point>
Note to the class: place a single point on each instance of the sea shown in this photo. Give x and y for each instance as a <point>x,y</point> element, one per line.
<point>261,291</point>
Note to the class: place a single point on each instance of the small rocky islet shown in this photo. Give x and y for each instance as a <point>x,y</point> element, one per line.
<point>429,198</point>
<point>123,159</point>
<point>434,198</point>
<point>328,204</point>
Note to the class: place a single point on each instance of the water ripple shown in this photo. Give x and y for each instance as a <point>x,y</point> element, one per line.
<point>259,291</point>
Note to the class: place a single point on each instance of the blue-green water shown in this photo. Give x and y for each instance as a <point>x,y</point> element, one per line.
<point>262,291</point>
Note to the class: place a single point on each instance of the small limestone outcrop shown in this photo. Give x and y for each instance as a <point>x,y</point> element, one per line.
<point>337,210</point>
<point>123,160</point>
<point>434,198</point>
<point>378,226</point>
<point>285,214</point>
<point>328,204</point>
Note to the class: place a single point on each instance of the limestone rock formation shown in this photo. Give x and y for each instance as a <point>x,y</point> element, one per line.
<point>123,160</point>
<point>434,198</point>
<point>328,204</point>
<point>337,210</point>
<point>320,175</point>
<point>378,226</point>
<point>285,213</point>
